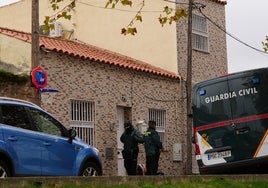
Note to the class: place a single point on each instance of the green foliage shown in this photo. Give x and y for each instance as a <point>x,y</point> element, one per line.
<point>129,30</point>
<point>60,13</point>
<point>171,15</point>
<point>12,78</point>
<point>113,3</point>
<point>138,17</point>
<point>265,44</point>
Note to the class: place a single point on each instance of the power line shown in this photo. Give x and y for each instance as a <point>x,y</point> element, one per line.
<point>123,10</point>
<point>200,6</point>
<point>176,2</point>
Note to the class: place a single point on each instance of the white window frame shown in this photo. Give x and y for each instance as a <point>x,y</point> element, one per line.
<point>159,116</point>
<point>200,40</point>
<point>82,119</point>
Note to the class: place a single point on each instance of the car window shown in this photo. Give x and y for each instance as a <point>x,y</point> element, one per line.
<point>16,116</point>
<point>45,123</point>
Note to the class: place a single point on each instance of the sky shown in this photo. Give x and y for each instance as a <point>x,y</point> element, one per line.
<point>247,21</point>
<point>4,2</point>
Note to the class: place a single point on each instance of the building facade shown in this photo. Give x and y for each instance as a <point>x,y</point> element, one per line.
<point>99,90</point>
<point>164,47</point>
<point>113,90</point>
<point>209,54</point>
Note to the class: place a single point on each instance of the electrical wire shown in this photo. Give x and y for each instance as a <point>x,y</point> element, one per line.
<point>198,6</point>
<point>145,96</point>
<point>176,2</point>
<point>122,10</point>
<point>229,34</point>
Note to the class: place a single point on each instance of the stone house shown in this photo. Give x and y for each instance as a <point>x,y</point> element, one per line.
<point>100,89</point>
<point>145,91</point>
<point>209,54</point>
<point>164,47</point>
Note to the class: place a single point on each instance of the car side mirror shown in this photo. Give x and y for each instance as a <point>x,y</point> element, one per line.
<point>72,134</point>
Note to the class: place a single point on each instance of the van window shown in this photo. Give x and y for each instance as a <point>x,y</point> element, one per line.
<point>251,95</point>
<point>209,108</point>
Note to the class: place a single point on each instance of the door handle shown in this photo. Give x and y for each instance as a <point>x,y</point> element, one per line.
<point>12,138</point>
<point>233,125</point>
<point>47,143</point>
<point>243,130</point>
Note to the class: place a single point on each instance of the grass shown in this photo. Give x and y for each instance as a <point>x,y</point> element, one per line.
<point>214,183</point>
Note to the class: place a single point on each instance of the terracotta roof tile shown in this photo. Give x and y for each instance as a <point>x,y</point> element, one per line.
<point>86,51</point>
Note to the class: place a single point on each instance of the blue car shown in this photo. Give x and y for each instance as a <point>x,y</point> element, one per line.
<point>34,143</point>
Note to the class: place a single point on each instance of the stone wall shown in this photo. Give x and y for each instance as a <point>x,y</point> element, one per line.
<point>104,85</point>
<point>205,65</point>
<point>22,91</point>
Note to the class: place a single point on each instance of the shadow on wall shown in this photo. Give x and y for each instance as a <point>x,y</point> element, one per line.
<point>18,86</point>
<point>21,68</point>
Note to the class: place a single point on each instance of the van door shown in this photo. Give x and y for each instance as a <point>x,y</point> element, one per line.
<point>249,110</point>
<point>212,122</point>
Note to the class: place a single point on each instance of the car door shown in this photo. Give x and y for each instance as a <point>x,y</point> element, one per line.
<point>58,153</point>
<point>22,142</point>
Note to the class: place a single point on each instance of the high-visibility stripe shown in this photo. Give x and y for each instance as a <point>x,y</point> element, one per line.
<point>230,122</point>
<point>260,145</point>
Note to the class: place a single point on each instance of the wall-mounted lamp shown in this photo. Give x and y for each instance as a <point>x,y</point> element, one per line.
<point>123,98</point>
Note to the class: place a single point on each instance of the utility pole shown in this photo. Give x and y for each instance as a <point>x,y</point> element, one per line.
<point>189,91</point>
<point>35,34</point>
<point>35,42</point>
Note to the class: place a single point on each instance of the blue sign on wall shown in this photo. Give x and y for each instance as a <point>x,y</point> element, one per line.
<point>39,77</point>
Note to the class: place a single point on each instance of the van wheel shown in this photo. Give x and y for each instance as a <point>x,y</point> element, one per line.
<point>90,169</point>
<point>4,171</point>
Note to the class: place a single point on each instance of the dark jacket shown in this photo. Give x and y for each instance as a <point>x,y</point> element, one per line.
<point>131,138</point>
<point>152,142</point>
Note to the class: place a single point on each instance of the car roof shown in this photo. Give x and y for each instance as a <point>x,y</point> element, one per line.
<point>8,100</point>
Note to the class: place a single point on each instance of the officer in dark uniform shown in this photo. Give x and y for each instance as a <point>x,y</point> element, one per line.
<point>153,146</point>
<point>131,137</point>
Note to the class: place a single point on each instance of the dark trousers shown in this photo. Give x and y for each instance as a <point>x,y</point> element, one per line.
<point>152,164</point>
<point>131,166</point>
<point>130,161</point>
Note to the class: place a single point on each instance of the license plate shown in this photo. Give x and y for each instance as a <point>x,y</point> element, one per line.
<point>217,155</point>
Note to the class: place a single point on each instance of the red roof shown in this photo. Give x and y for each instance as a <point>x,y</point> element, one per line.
<point>85,51</point>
